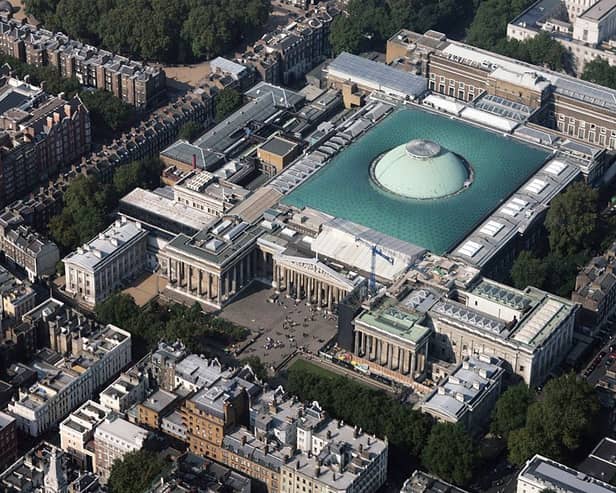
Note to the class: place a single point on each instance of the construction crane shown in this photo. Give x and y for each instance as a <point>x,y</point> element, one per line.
<point>374,250</point>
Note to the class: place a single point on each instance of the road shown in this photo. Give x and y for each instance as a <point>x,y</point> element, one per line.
<point>599,363</point>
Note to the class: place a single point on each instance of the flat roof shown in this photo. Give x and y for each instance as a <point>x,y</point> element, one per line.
<point>159,400</point>
<point>402,325</point>
<point>279,146</point>
<point>376,75</point>
<point>171,210</point>
<point>123,430</point>
<point>107,243</point>
<point>546,473</point>
<point>599,10</point>
<point>461,390</point>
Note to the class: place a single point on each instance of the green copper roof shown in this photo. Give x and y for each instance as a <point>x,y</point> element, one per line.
<point>420,169</point>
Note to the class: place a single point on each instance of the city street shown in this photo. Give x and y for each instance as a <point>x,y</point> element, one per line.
<point>602,358</point>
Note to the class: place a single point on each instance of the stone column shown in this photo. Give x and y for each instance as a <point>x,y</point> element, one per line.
<point>357,341</point>
<point>218,290</point>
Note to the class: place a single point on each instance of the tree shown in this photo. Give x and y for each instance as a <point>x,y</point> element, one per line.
<point>450,453</point>
<point>489,26</point>
<point>227,101</point>
<point>109,114</point>
<point>190,131</point>
<point>528,270</point>
<point>558,424</point>
<point>600,72</point>
<point>119,309</point>
<point>79,19</point>
<point>257,366</point>
<point>538,50</point>
<point>370,23</point>
<point>174,32</point>
<point>345,35</point>
<point>86,204</point>
<point>511,408</point>
<point>372,410</point>
<point>135,472</point>
<point>142,174</point>
<point>572,220</point>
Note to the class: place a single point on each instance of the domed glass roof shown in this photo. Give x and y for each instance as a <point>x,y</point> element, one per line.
<point>420,169</point>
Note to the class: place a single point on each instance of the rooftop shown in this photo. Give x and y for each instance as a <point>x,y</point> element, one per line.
<point>461,391</point>
<point>402,325</point>
<point>168,209</point>
<point>376,76</point>
<point>545,473</point>
<point>599,10</point>
<point>437,225</point>
<point>421,482</point>
<point>121,430</point>
<point>279,146</point>
<point>107,243</point>
<point>159,400</point>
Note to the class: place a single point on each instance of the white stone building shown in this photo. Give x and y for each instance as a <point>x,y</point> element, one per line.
<point>101,266</point>
<point>78,429</point>
<point>72,381</point>
<point>113,439</point>
<point>541,474</point>
<point>128,389</point>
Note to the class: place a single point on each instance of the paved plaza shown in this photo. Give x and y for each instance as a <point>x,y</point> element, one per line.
<point>281,327</point>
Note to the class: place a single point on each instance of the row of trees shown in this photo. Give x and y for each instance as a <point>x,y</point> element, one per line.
<point>444,449</point>
<point>370,23</point>
<point>170,323</point>
<point>175,31</point>
<point>557,425</point>
<point>489,31</point>
<point>88,202</point>
<point>575,232</point>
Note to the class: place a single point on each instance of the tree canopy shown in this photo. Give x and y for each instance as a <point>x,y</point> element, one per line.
<point>450,453</point>
<point>190,131</point>
<point>406,429</point>
<point>539,50</point>
<point>557,424</point>
<point>489,26</point>
<point>226,102</point>
<point>135,472</point>
<point>176,31</point>
<point>108,113</point>
<point>600,72</point>
<point>170,322</point>
<point>88,202</point>
<point>528,270</point>
<point>84,215</point>
<point>511,408</point>
<point>572,220</point>
<point>370,23</point>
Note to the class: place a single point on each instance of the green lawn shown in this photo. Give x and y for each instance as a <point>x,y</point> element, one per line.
<point>303,365</point>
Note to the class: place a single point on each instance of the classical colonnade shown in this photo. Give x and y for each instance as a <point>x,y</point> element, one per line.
<point>385,352</point>
<point>300,285</point>
<point>209,285</point>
